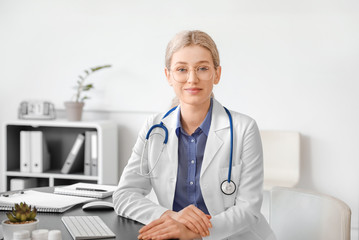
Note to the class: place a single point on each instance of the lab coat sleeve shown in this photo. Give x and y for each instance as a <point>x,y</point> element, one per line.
<point>246,211</point>
<point>130,197</point>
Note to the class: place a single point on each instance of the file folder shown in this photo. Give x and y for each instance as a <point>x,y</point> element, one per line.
<point>74,161</point>
<point>40,157</point>
<point>34,154</point>
<point>25,161</point>
<point>94,154</point>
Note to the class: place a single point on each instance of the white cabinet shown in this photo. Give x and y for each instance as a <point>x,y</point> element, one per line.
<point>60,137</point>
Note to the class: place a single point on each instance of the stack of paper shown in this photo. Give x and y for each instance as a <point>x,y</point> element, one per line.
<point>44,202</point>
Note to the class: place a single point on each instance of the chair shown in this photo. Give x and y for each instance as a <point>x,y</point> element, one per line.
<point>281,158</point>
<point>297,214</point>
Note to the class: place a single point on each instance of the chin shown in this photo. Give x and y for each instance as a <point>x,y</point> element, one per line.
<point>196,100</point>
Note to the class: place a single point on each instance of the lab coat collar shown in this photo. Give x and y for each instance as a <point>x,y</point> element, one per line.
<point>214,142</point>
<point>219,118</point>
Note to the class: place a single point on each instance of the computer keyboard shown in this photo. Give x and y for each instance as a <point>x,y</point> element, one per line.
<point>87,227</point>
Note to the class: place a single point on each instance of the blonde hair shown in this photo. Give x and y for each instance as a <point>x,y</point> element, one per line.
<point>187,38</point>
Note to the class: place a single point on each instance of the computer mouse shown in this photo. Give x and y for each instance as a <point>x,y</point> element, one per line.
<point>98,205</point>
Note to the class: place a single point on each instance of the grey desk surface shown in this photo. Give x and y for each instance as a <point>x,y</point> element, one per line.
<point>125,229</point>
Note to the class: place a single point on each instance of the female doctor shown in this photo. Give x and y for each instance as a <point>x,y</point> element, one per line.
<point>203,162</point>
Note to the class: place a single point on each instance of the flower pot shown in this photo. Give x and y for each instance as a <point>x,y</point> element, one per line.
<point>74,110</point>
<point>9,229</point>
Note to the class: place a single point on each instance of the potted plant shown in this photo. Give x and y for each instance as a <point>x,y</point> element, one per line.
<point>74,108</point>
<point>22,217</point>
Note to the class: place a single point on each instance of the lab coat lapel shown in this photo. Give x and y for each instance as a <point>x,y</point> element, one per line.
<point>172,153</point>
<point>214,142</point>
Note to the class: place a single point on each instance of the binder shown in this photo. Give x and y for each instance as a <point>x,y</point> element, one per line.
<point>40,157</point>
<point>74,161</point>
<point>94,154</point>
<point>34,154</point>
<point>25,162</point>
<point>87,160</point>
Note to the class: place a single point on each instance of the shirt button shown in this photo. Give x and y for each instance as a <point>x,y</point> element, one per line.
<point>192,140</point>
<point>191,183</point>
<point>192,161</point>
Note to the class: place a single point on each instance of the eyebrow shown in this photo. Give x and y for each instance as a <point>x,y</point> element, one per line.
<point>204,61</point>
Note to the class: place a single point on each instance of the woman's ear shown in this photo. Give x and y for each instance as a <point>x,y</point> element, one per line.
<point>168,76</point>
<point>217,75</point>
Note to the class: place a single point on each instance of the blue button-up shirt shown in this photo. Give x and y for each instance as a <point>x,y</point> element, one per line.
<point>190,156</point>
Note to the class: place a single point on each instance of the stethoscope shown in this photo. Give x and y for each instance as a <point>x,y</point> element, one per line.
<point>228,187</point>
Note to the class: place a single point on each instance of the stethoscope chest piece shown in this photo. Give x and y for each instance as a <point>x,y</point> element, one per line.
<point>228,188</point>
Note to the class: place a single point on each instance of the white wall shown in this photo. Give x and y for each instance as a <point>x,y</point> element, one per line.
<point>292,65</point>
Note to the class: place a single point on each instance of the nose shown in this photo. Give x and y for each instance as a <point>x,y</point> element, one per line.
<point>192,76</point>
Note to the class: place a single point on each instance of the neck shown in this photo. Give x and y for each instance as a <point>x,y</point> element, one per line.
<point>192,116</point>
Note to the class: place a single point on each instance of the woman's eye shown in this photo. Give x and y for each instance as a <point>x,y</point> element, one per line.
<point>182,70</point>
<point>203,69</point>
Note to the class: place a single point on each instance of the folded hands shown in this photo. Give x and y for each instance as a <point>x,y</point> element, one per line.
<point>189,223</point>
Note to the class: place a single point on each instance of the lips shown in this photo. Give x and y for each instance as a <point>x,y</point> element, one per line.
<point>193,90</point>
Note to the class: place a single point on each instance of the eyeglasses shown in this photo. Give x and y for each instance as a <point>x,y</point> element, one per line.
<point>181,74</point>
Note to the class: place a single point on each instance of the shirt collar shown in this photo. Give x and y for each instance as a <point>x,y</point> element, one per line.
<point>205,125</point>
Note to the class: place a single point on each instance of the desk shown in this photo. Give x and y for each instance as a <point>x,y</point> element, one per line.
<point>125,229</point>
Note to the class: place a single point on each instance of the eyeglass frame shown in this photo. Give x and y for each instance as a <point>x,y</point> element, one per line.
<point>188,73</point>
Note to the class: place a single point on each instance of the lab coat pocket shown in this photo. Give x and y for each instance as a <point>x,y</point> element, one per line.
<point>230,200</point>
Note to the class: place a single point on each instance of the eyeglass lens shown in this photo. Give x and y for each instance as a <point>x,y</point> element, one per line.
<point>182,74</point>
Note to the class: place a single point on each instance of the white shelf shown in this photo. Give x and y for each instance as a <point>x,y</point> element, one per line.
<point>60,135</point>
<point>51,175</point>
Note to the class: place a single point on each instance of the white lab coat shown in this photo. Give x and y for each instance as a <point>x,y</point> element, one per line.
<point>235,216</point>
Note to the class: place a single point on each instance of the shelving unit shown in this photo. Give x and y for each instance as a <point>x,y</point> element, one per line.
<point>60,136</point>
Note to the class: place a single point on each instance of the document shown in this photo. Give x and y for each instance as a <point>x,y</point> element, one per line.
<point>44,202</point>
<point>87,190</point>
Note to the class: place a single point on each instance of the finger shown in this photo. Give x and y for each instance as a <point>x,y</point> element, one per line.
<point>162,229</point>
<point>164,233</point>
<point>203,216</point>
<point>156,226</point>
<point>190,225</point>
<point>199,220</point>
<point>154,229</point>
<point>151,225</point>
<point>195,225</point>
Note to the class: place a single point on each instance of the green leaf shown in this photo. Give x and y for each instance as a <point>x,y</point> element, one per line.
<point>87,87</point>
<point>94,69</point>
<point>11,217</point>
<point>84,98</point>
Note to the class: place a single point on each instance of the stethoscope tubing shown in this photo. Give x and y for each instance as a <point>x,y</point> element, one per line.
<point>231,146</point>
<point>228,187</point>
<point>160,125</point>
